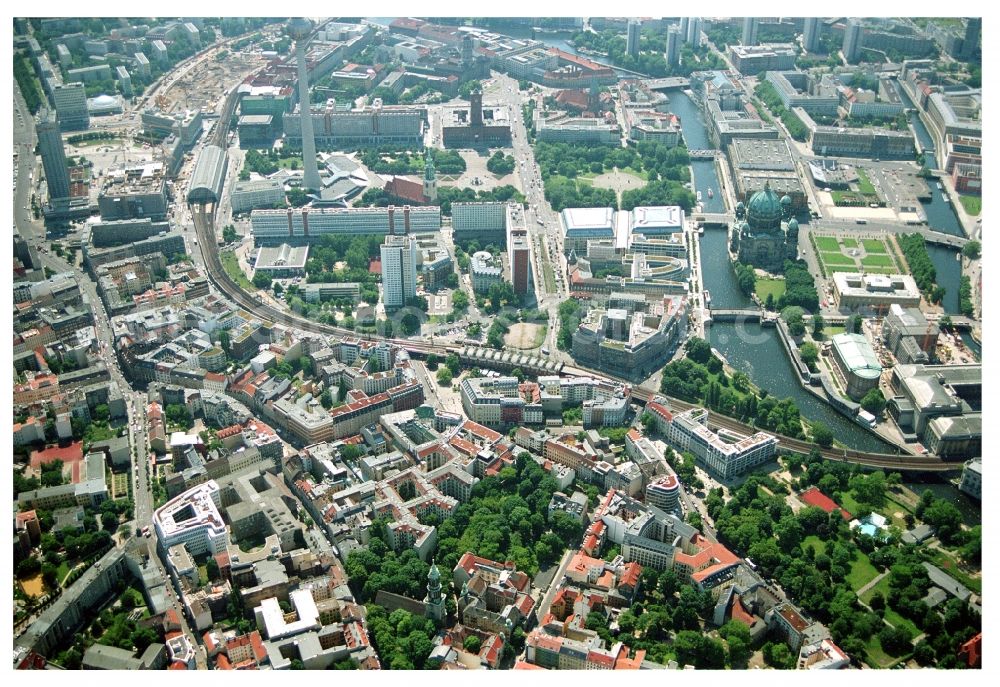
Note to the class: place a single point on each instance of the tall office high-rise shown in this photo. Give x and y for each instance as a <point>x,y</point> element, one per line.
<point>70,101</point>
<point>694,31</point>
<point>750,31</point>
<point>811,29</point>
<point>970,43</point>
<point>673,54</point>
<point>399,270</point>
<point>632,39</point>
<point>50,144</point>
<point>684,27</point>
<point>299,28</point>
<point>852,41</point>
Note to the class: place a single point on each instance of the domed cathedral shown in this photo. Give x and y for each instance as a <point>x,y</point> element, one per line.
<point>765,234</point>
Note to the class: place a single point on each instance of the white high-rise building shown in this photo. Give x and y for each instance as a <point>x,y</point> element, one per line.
<point>299,28</point>
<point>399,271</point>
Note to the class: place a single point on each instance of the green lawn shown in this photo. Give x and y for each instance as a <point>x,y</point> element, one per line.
<point>901,623</point>
<point>636,173</point>
<point>827,243</point>
<point>847,502</point>
<point>63,571</point>
<point>862,572</point>
<point>882,587</point>
<point>833,330</point>
<point>837,259</point>
<point>877,658</point>
<point>972,204</point>
<point>864,183</point>
<point>293,162</point>
<point>849,242</point>
<point>877,261</point>
<point>774,287</point>
<point>232,267</point>
<point>874,246</point>
<point>815,543</point>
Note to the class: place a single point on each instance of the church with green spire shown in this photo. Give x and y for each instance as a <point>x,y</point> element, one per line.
<point>434,607</point>
<point>765,234</point>
<point>430,178</point>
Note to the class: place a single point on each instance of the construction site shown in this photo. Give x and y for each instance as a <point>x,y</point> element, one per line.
<point>203,84</point>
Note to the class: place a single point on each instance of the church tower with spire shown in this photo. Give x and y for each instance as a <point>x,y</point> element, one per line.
<point>434,607</point>
<point>430,178</point>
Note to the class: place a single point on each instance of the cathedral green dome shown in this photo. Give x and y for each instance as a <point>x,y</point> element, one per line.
<point>793,224</point>
<point>764,209</point>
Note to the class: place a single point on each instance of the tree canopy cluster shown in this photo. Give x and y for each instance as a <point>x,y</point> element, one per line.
<point>921,268</point>
<point>707,382</point>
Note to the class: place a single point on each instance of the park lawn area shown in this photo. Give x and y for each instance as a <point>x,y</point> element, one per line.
<point>885,269</point>
<point>63,570</point>
<point>849,242</point>
<point>877,261</point>
<point>232,267</point>
<point>848,503</point>
<point>833,329</point>
<point>882,587</point>
<point>876,655</point>
<point>874,245</point>
<point>972,204</point>
<point>290,163</point>
<point>901,623</point>
<point>864,183</point>
<point>827,243</point>
<point>862,572</point>
<point>837,259</point>
<point>773,287</point>
<point>203,574</point>
<point>815,543</point>
<point>636,173</point>
<point>944,561</point>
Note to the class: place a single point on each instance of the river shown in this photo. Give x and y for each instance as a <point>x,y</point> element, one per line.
<point>924,136</point>
<point>749,347</point>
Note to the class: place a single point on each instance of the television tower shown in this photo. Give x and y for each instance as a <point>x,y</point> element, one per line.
<point>299,28</point>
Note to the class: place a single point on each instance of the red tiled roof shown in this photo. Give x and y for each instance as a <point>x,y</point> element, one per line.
<point>222,662</point>
<point>740,611</point>
<point>524,665</point>
<point>405,189</point>
<point>178,665</point>
<point>972,650</point>
<point>630,576</point>
<point>67,454</point>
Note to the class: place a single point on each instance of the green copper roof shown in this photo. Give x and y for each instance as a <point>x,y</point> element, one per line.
<point>764,206</point>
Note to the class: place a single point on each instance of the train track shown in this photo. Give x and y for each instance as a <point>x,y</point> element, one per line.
<point>203,221</point>
<point>875,460</point>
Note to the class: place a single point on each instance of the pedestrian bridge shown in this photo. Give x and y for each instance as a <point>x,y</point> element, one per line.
<point>702,154</point>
